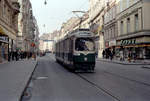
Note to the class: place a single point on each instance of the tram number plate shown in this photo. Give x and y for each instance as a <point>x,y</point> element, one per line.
<point>85,59</point>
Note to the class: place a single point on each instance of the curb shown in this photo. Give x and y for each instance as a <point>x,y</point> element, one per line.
<point>124,63</point>
<point>20,99</point>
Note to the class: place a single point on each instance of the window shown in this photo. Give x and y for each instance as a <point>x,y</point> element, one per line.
<point>136,22</point>
<point>128,25</point>
<point>121,5</point>
<point>84,44</point>
<point>128,3</point>
<point>121,28</point>
<point>111,32</point>
<point>1,8</point>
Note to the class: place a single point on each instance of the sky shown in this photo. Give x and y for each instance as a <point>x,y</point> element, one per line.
<point>51,16</point>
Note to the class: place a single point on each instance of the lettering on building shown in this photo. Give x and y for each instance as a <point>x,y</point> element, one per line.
<point>128,42</point>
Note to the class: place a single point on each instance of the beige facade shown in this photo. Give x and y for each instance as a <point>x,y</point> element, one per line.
<point>8,27</point>
<point>96,21</point>
<point>85,20</point>
<point>110,27</point>
<point>134,28</point>
<point>67,27</point>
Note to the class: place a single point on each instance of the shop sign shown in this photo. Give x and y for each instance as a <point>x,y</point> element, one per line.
<point>4,39</point>
<point>106,44</point>
<point>112,43</point>
<point>128,42</point>
<point>32,44</point>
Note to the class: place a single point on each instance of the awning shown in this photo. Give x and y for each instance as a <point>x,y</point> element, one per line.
<point>130,46</point>
<point>144,45</point>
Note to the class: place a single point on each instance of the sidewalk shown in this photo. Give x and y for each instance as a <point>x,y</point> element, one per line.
<point>14,77</point>
<point>138,62</point>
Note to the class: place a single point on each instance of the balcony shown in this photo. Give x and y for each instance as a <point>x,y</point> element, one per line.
<point>16,6</point>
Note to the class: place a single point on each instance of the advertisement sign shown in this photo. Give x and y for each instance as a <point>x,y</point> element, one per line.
<point>106,44</point>
<point>112,43</point>
<point>128,42</point>
<point>4,39</point>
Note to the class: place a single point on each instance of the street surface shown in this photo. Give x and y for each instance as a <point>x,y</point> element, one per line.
<point>14,76</point>
<point>110,82</point>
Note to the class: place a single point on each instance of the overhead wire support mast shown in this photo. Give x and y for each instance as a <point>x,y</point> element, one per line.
<point>75,12</point>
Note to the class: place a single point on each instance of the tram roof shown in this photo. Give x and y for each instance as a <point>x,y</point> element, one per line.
<point>79,33</point>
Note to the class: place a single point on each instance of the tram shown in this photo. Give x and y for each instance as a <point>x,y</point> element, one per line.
<point>77,51</point>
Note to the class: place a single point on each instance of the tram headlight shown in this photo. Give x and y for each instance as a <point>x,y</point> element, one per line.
<point>77,54</point>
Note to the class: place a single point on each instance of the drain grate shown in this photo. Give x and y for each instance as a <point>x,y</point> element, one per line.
<point>146,67</point>
<point>42,78</point>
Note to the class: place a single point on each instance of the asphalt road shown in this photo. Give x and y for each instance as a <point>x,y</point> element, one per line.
<point>110,82</point>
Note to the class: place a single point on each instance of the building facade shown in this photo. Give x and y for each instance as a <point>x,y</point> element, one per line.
<point>26,26</point>
<point>8,27</point>
<point>96,21</point>
<point>46,43</point>
<point>36,38</point>
<point>67,27</point>
<point>110,27</point>
<point>133,29</point>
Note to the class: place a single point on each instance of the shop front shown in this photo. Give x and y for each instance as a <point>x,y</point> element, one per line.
<point>135,48</point>
<point>110,48</point>
<point>3,46</point>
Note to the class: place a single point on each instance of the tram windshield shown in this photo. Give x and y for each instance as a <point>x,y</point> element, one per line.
<point>84,44</point>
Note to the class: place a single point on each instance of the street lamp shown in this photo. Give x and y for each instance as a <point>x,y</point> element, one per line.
<point>45,2</point>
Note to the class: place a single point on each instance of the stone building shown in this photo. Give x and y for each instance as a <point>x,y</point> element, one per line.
<point>133,29</point>
<point>110,25</point>
<point>67,27</point>
<point>96,21</point>
<point>36,38</point>
<point>26,26</point>
<point>46,43</point>
<point>82,22</point>
<point>8,27</point>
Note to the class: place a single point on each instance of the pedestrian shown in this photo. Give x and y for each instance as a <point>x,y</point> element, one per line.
<point>129,56</point>
<point>103,53</point>
<point>16,55</point>
<point>9,56</point>
<point>111,55</point>
<point>121,56</point>
<point>13,55</point>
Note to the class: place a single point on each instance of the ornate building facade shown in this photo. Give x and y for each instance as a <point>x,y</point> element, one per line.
<point>8,27</point>
<point>133,29</point>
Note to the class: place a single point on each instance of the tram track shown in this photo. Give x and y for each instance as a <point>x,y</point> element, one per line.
<point>99,88</point>
<point>116,98</point>
<point>126,78</point>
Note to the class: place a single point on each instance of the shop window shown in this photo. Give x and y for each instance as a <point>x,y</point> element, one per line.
<point>147,53</point>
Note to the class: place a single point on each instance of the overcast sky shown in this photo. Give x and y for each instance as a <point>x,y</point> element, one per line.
<point>55,12</point>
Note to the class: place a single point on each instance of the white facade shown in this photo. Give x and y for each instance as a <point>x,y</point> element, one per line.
<point>46,45</point>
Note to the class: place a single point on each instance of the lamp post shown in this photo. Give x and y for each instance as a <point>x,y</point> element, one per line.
<point>45,2</point>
